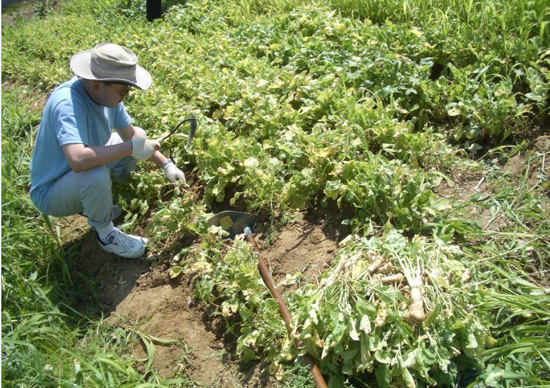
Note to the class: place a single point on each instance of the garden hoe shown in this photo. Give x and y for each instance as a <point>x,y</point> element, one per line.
<point>192,129</point>
<point>238,222</point>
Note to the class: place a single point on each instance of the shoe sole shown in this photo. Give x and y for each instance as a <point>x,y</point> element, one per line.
<point>136,255</point>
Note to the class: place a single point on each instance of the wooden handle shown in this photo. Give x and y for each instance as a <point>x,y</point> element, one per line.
<point>268,280</point>
<point>318,378</point>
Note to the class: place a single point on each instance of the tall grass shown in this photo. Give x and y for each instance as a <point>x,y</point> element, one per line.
<point>524,19</point>
<point>514,265</point>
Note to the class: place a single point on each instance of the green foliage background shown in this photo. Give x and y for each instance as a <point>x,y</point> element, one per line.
<point>360,106</point>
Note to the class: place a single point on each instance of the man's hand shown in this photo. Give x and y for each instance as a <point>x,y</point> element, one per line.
<point>143,148</point>
<point>173,174</point>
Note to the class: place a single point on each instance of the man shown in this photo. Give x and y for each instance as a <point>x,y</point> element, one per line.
<point>76,150</point>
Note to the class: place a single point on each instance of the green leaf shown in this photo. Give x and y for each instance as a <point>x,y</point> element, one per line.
<point>383,356</point>
<point>441,204</point>
<point>352,331</point>
<point>408,378</point>
<point>495,376</point>
<point>383,377</point>
<point>175,271</point>
<point>150,350</point>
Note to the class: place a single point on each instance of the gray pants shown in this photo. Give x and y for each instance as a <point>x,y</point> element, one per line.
<point>89,192</point>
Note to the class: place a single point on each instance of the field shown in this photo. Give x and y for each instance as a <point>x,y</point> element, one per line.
<point>397,154</point>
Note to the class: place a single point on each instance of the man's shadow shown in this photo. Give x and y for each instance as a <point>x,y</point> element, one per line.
<point>97,281</point>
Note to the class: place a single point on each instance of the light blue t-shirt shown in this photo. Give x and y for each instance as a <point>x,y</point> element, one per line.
<point>70,117</point>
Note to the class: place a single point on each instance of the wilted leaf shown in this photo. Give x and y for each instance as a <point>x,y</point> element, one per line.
<point>453,112</point>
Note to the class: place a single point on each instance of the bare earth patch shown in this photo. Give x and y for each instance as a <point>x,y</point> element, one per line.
<point>166,311</point>
<point>23,9</point>
<point>302,248</point>
<point>26,10</point>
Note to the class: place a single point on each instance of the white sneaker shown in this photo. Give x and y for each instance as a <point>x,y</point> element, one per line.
<point>124,245</point>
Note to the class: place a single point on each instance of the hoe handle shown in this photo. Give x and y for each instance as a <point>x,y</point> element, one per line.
<point>268,280</point>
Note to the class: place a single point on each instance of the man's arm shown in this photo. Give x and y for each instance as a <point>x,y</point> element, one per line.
<point>82,158</point>
<point>173,174</point>
<point>129,132</point>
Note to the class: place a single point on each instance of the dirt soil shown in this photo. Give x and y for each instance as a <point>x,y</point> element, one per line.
<point>25,10</point>
<point>140,294</point>
<point>301,249</point>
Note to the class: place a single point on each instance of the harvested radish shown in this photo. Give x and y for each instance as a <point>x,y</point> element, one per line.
<point>392,279</point>
<point>386,268</point>
<point>416,312</point>
<point>377,263</point>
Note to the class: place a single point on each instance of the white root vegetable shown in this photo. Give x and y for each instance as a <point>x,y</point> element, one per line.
<point>392,279</point>
<point>386,268</point>
<point>337,270</point>
<point>347,240</point>
<point>377,263</point>
<point>416,313</point>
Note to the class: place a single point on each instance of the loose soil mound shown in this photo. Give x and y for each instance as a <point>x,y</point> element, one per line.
<point>301,249</point>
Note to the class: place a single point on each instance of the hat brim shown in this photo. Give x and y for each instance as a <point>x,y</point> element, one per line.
<point>80,65</point>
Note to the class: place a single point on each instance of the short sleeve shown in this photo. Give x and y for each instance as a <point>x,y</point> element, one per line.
<point>122,118</point>
<point>67,124</point>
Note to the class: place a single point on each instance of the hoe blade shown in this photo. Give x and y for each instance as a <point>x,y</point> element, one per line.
<point>233,222</point>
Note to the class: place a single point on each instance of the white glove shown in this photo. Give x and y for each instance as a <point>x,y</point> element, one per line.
<point>173,174</point>
<point>143,148</point>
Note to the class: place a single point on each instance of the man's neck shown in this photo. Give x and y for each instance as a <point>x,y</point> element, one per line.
<point>88,89</point>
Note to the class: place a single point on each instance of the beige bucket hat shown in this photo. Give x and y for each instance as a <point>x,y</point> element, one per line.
<point>110,62</point>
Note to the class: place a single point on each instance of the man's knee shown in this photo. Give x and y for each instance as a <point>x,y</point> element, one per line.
<point>98,178</point>
<point>140,131</point>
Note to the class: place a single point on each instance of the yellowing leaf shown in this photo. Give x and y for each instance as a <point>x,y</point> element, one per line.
<point>226,222</point>
<point>416,32</point>
<point>453,112</point>
<point>324,152</point>
<point>441,204</point>
<point>230,307</point>
<point>365,325</point>
<point>175,271</point>
<point>251,162</point>
<point>226,169</point>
